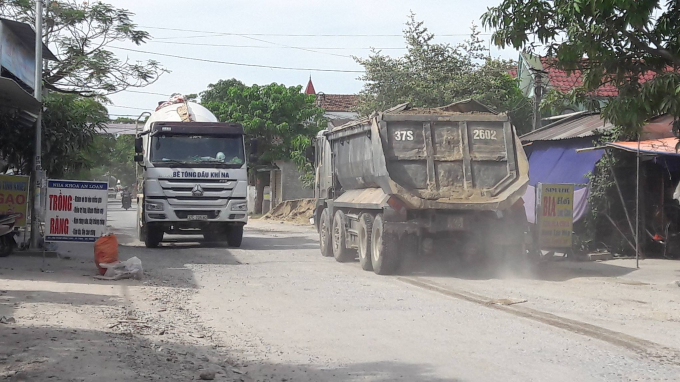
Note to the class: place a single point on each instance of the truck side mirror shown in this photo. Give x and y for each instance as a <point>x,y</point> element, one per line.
<point>139,145</point>
<point>139,158</point>
<point>309,154</point>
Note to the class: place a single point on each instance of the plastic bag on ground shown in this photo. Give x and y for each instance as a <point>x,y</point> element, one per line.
<point>105,251</point>
<point>128,269</point>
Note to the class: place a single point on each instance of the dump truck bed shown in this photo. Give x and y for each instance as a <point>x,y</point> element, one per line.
<point>463,156</point>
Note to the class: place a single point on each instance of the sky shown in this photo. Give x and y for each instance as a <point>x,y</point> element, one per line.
<point>270,25</point>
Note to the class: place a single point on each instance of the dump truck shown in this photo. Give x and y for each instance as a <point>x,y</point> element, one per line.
<point>194,178</point>
<point>401,181</point>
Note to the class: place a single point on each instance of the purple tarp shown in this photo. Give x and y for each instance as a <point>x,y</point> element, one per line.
<point>558,162</point>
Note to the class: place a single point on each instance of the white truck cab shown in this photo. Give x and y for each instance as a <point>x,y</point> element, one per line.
<point>194,178</point>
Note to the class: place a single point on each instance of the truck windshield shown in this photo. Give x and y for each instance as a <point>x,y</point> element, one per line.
<point>184,149</point>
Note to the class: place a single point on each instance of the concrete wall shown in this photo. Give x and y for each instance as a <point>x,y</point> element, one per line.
<point>290,185</point>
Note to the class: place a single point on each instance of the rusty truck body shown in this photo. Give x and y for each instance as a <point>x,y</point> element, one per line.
<point>404,178</point>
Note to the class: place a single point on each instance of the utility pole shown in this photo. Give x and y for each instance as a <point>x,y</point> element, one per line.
<point>37,93</point>
<point>538,96</point>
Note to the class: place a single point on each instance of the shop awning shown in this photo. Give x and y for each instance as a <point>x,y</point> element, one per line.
<point>559,162</point>
<point>663,146</point>
<point>14,96</point>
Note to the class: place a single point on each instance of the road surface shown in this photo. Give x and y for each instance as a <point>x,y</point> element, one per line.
<point>290,314</point>
<point>275,310</point>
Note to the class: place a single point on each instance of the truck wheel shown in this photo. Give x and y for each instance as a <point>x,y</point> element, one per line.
<point>325,234</point>
<point>384,248</point>
<point>235,236</point>
<point>365,227</point>
<point>508,247</point>
<point>153,237</point>
<point>341,253</point>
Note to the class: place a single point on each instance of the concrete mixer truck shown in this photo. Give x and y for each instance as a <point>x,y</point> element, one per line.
<point>194,175</point>
<point>402,181</point>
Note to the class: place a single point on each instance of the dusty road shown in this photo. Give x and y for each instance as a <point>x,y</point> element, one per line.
<point>275,310</point>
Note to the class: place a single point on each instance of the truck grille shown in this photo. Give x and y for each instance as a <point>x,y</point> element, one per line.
<point>213,191</point>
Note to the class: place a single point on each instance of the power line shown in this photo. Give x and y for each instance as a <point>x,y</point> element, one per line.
<point>143,92</point>
<point>288,46</point>
<point>270,47</point>
<point>213,34</point>
<point>130,107</point>
<point>293,47</point>
<point>241,64</point>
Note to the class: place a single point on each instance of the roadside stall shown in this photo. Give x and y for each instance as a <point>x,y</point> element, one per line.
<point>657,189</point>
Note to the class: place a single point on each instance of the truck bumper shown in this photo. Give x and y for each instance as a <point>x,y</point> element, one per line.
<point>434,222</point>
<point>195,216</point>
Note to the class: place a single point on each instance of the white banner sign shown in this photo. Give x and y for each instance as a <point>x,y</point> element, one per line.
<point>76,211</point>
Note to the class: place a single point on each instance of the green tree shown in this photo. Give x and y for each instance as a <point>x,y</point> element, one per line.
<point>70,122</point>
<point>282,119</point>
<point>432,75</point>
<point>79,32</point>
<point>107,154</point>
<point>610,42</point>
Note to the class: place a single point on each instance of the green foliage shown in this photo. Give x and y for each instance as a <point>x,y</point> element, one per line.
<point>70,122</point>
<point>432,75</point>
<point>611,42</point>
<point>282,119</point>
<point>78,32</point>
<point>106,156</point>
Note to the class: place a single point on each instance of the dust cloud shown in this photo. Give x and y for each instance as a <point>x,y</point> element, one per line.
<point>456,258</point>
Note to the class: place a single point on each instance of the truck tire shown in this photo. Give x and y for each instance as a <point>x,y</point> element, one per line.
<point>152,236</point>
<point>341,253</point>
<point>325,234</point>
<point>508,246</point>
<point>384,248</point>
<point>235,236</point>
<point>365,228</point>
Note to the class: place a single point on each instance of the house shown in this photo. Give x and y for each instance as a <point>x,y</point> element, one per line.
<point>336,106</point>
<point>553,156</point>
<point>532,68</point>
<point>17,73</point>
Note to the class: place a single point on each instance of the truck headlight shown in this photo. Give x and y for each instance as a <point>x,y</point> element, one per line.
<point>239,206</point>
<point>151,206</point>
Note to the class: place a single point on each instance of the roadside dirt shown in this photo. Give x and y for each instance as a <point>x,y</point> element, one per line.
<point>65,326</point>
<point>276,310</point>
<point>297,211</point>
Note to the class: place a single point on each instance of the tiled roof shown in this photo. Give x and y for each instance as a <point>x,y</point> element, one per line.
<point>563,82</point>
<point>337,102</point>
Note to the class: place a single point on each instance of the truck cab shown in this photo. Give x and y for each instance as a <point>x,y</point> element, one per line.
<point>194,178</point>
